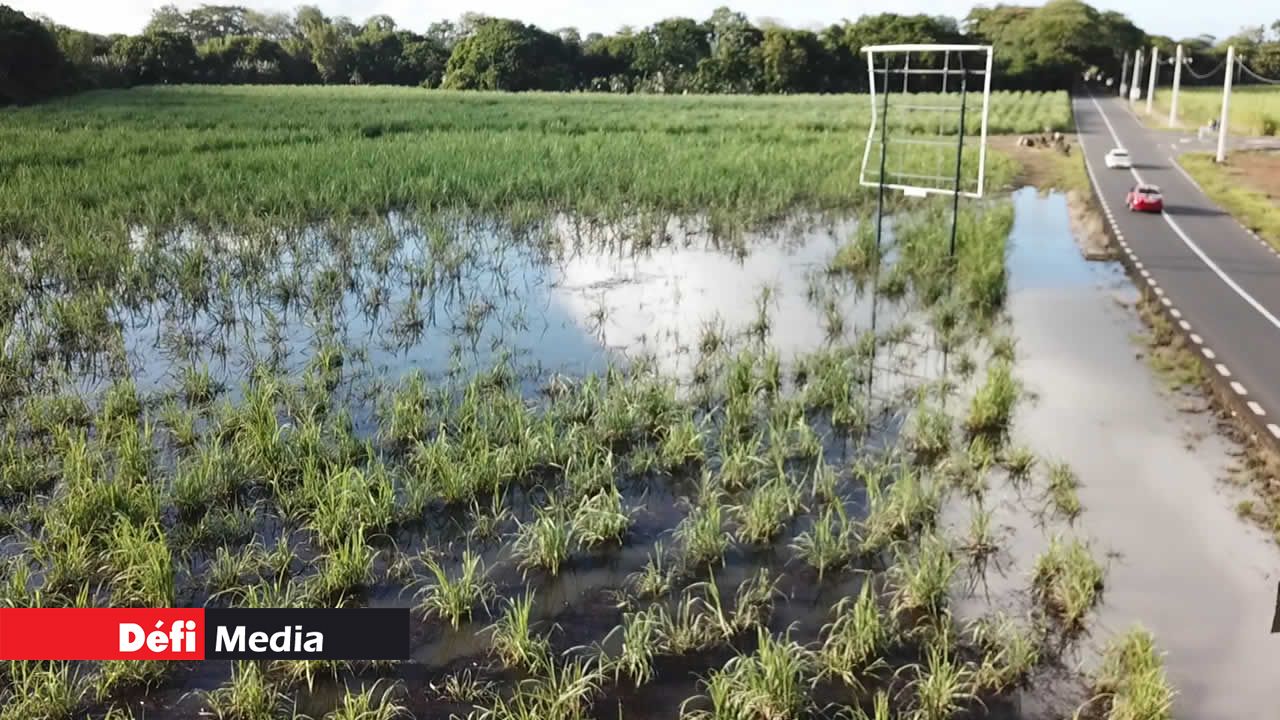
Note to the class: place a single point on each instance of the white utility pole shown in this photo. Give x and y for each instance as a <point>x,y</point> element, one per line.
<point>1151,84</point>
<point>1136,90</point>
<point>1124,75</point>
<point>906,74</point>
<point>1177,81</point>
<point>1226,103</point>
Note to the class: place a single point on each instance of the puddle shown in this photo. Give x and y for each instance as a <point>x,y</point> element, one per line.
<point>1179,561</point>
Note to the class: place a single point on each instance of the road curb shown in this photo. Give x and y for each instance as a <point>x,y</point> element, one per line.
<point>1261,427</point>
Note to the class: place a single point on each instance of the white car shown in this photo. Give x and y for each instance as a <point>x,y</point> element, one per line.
<point>1119,158</point>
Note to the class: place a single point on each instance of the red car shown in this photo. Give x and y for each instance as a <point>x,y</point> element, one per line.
<point>1144,198</point>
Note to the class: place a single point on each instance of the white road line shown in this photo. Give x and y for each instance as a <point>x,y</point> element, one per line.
<point>1256,408</point>
<point>1166,302</point>
<point>1190,243</point>
<point>1176,313</point>
<point>1222,370</point>
<point>1186,175</point>
<point>1238,388</point>
<point>1209,353</point>
<point>1184,325</point>
<point>1196,339</point>
<point>1275,430</point>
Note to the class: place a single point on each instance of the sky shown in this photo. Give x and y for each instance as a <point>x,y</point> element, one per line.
<point>1175,18</point>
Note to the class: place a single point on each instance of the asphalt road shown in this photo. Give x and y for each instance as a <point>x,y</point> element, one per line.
<point>1218,279</point>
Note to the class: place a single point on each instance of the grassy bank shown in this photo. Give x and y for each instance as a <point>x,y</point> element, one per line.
<point>1252,207</point>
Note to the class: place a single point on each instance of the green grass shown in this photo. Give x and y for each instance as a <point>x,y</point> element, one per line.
<point>1131,681</point>
<point>1255,110</point>
<point>217,155</point>
<point>1253,208</point>
<point>1068,581</point>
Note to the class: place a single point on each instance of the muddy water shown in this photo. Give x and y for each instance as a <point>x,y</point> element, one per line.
<point>1180,562</point>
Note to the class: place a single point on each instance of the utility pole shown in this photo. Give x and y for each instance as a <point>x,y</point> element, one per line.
<point>1136,90</point>
<point>1155,69</point>
<point>906,74</point>
<point>1226,102</point>
<point>1124,75</point>
<point>1177,81</point>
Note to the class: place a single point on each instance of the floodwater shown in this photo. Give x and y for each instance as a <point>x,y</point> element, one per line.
<point>399,299</point>
<point>1180,562</point>
<point>450,298</point>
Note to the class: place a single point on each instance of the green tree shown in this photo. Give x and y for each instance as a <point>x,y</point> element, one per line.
<point>733,63</point>
<point>243,59</point>
<point>508,55</point>
<point>159,57</point>
<point>791,61</point>
<point>668,52</point>
<point>31,65</point>
<point>326,44</point>
<point>422,61</point>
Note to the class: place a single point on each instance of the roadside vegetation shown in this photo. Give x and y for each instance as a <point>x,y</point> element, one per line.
<point>1237,193</point>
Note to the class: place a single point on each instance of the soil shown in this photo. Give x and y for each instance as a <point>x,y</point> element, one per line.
<point>1259,170</point>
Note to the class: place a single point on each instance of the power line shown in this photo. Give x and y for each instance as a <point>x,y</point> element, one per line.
<point>1256,76</point>
<point>1207,75</point>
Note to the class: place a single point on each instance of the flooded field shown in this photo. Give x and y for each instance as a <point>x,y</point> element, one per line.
<point>646,469</point>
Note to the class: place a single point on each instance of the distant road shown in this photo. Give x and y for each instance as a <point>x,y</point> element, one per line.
<point>1219,281</point>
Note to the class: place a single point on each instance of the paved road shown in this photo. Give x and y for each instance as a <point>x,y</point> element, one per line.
<point>1218,279</point>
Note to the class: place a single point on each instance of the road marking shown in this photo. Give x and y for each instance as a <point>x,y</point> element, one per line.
<point>1275,430</point>
<point>1222,370</point>
<point>1244,295</point>
<point>1184,325</point>
<point>1138,265</point>
<point>1196,339</point>
<point>1166,302</point>
<point>1238,388</point>
<point>1187,175</point>
<point>1256,408</point>
<point>1160,292</point>
<point>1144,272</point>
<point>1176,313</point>
<point>1151,281</point>
<point>1209,353</point>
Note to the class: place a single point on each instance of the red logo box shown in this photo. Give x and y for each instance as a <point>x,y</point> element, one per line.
<point>101,633</point>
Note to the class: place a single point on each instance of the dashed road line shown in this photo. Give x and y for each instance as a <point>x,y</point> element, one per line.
<point>1196,339</point>
<point>1238,388</point>
<point>1256,408</point>
<point>1222,370</point>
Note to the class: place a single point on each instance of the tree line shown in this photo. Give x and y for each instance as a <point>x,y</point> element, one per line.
<point>1040,48</point>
